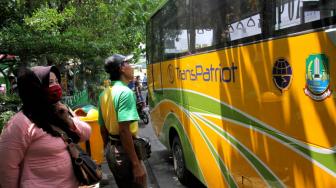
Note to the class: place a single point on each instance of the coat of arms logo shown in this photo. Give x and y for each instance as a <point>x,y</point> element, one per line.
<point>317,77</point>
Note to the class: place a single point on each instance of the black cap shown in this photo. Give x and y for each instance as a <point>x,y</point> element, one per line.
<point>113,62</point>
<point>115,58</point>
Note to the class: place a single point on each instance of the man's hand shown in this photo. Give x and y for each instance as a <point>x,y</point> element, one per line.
<point>139,174</point>
<point>128,145</point>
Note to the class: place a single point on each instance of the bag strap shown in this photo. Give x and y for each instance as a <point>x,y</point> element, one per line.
<point>63,134</point>
<point>72,147</point>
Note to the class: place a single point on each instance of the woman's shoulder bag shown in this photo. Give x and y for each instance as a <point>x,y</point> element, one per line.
<point>86,170</point>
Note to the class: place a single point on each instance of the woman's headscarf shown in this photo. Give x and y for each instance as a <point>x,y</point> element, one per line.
<point>32,86</point>
<point>43,73</point>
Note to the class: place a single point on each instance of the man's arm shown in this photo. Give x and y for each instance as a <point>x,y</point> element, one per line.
<point>104,134</point>
<point>127,143</point>
<point>103,130</point>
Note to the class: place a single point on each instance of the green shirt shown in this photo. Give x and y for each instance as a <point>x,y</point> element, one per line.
<point>124,103</point>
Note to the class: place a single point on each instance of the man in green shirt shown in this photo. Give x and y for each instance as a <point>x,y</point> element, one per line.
<point>118,118</point>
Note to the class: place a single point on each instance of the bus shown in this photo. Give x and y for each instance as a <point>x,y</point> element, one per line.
<point>243,92</point>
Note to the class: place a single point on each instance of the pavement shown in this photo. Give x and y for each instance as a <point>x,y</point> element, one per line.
<point>159,166</point>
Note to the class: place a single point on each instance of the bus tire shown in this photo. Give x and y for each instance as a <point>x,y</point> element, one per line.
<point>180,169</point>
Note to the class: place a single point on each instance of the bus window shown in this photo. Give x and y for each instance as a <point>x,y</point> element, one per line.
<point>292,13</point>
<point>175,35</point>
<point>156,36</point>
<point>243,19</point>
<point>205,19</point>
<point>217,22</point>
<point>175,41</point>
<point>149,45</point>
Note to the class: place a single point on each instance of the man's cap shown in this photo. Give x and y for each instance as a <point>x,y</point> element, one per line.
<point>118,58</point>
<point>115,60</point>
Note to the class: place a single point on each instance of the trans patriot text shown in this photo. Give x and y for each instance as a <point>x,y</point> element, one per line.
<point>211,73</point>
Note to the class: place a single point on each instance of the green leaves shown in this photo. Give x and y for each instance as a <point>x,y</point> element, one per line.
<point>49,20</point>
<point>74,28</point>
<point>56,31</point>
<point>8,106</point>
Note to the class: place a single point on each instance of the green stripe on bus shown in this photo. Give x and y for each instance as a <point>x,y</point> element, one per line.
<point>218,159</point>
<point>268,176</point>
<point>204,104</point>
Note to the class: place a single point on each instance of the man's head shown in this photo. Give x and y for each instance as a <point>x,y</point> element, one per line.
<point>118,67</point>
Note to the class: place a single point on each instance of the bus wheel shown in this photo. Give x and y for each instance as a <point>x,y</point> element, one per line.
<point>179,163</point>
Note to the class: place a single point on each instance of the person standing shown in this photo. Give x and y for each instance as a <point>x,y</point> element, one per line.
<point>32,154</point>
<point>118,119</point>
<point>144,81</point>
<point>137,90</point>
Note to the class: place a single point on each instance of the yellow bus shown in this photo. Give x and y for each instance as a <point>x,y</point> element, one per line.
<point>243,91</point>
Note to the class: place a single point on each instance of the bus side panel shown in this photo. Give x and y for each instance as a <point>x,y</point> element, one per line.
<point>247,119</point>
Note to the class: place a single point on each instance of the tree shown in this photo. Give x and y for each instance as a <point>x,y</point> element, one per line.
<point>58,30</point>
<point>55,31</point>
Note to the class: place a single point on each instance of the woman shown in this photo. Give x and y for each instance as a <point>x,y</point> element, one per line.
<point>32,154</point>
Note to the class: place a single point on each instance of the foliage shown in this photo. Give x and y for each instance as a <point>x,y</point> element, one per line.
<point>64,29</point>
<point>4,117</point>
<point>8,106</point>
<point>44,32</point>
<point>49,20</point>
<point>9,102</point>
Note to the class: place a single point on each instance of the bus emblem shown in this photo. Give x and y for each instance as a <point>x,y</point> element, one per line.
<point>317,77</point>
<point>282,74</point>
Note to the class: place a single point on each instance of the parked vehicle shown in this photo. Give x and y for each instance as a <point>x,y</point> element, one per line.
<point>242,92</point>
